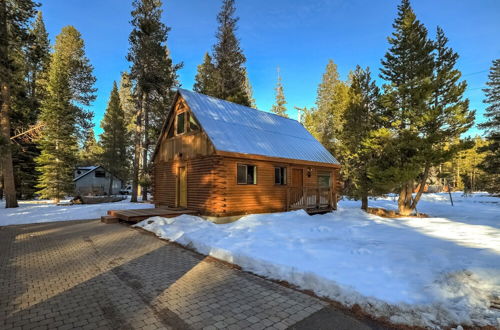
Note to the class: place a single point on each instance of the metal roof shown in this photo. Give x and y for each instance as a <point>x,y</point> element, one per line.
<point>88,169</point>
<point>236,128</point>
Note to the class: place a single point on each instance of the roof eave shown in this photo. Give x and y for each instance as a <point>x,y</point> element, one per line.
<point>275,159</point>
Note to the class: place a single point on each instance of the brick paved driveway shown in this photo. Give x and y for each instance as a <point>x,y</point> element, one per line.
<point>84,274</point>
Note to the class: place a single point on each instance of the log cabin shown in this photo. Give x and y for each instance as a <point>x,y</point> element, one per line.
<point>223,159</point>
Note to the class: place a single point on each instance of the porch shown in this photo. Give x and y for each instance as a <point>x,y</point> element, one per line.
<point>311,199</point>
<point>137,215</point>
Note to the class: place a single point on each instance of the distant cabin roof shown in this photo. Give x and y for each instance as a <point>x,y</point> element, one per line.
<point>87,169</point>
<point>236,128</point>
<point>90,169</point>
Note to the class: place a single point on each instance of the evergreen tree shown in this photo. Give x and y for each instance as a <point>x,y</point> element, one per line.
<point>91,153</point>
<point>26,106</point>
<point>361,121</point>
<point>331,103</point>
<point>228,59</point>
<point>37,58</point>
<point>14,20</point>
<point>129,109</point>
<point>114,138</point>
<point>153,75</point>
<point>279,105</point>
<point>491,162</point>
<point>249,91</point>
<point>423,107</point>
<point>205,77</point>
<point>448,116</point>
<point>69,90</point>
<point>408,69</point>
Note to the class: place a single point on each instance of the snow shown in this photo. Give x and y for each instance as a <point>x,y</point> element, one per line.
<point>44,211</point>
<point>431,272</point>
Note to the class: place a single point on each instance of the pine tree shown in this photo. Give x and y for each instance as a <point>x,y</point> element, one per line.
<point>331,103</point>
<point>279,105</point>
<point>26,106</point>
<point>91,153</point>
<point>228,78</point>
<point>153,75</point>
<point>14,20</point>
<point>129,109</point>
<point>205,77</point>
<point>491,163</point>
<point>361,121</point>
<point>38,58</point>
<point>114,138</point>
<point>249,91</point>
<point>408,69</point>
<point>448,115</point>
<point>69,90</point>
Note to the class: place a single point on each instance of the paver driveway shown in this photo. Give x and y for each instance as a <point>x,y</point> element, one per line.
<point>85,274</point>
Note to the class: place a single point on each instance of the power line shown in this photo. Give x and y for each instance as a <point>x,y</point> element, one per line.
<point>473,73</point>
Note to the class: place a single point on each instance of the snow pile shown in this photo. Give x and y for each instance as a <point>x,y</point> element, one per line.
<point>36,212</point>
<point>419,271</point>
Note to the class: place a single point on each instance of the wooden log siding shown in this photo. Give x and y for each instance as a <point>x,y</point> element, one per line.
<point>265,196</point>
<point>205,184</point>
<point>212,187</point>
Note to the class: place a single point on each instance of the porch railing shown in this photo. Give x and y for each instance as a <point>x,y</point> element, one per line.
<point>311,198</point>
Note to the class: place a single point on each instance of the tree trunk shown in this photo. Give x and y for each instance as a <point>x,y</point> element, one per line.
<point>1,183</point>
<point>144,186</point>
<point>6,157</point>
<point>425,176</point>
<point>7,166</point>
<point>137,152</point>
<point>404,200</point>
<point>364,202</point>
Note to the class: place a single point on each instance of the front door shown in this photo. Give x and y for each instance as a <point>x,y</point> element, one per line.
<point>297,184</point>
<point>297,178</point>
<point>182,187</point>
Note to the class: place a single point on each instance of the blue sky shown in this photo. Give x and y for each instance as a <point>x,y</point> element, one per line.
<point>299,36</point>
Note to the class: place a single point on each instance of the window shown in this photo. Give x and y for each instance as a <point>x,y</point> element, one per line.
<point>193,124</point>
<point>247,174</point>
<point>100,174</point>
<point>280,175</point>
<point>324,180</point>
<point>181,123</point>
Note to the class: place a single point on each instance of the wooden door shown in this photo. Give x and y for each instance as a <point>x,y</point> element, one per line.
<point>182,187</point>
<point>297,186</point>
<point>297,178</point>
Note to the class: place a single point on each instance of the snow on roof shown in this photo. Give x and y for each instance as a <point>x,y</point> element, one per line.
<point>236,128</point>
<point>88,168</point>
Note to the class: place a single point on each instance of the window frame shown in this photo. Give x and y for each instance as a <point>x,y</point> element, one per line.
<point>100,172</point>
<point>246,171</point>
<point>324,174</point>
<point>283,175</point>
<point>177,123</point>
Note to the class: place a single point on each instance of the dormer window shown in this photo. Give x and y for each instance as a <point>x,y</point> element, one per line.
<point>180,123</point>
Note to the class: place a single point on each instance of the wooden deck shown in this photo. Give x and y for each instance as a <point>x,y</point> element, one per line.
<point>136,215</point>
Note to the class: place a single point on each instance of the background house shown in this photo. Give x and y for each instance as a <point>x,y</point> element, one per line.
<point>222,159</point>
<point>95,181</point>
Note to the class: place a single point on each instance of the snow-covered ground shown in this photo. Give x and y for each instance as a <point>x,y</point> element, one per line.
<point>421,271</point>
<point>43,211</point>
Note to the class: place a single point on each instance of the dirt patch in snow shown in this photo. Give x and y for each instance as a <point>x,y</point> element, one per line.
<point>381,212</point>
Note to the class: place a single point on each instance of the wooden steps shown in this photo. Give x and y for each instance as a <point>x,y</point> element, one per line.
<point>136,215</point>
<point>109,219</point>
